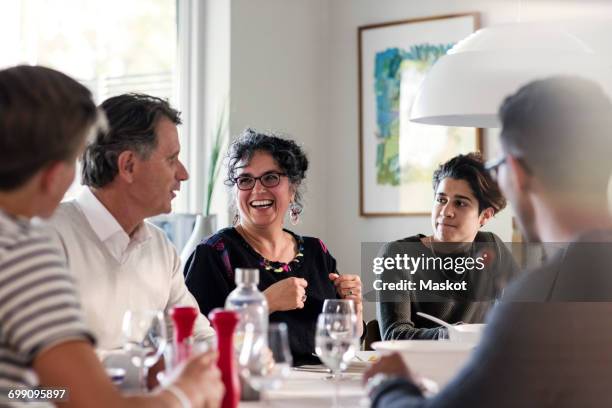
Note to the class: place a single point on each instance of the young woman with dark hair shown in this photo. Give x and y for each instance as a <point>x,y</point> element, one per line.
<point>465,199</point>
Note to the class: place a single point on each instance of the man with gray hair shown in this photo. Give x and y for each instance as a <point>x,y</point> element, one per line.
<point>120,261</point>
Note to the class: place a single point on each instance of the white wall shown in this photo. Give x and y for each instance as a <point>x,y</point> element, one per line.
<point>279,82</point>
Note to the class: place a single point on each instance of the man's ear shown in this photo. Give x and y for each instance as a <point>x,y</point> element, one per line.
<point>519,175</point>
<point>126,162</point>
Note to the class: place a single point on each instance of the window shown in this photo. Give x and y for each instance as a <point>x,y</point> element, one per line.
<point>112,46</point>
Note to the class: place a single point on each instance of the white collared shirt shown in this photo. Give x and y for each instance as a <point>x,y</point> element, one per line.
<point>108,229</point>
<point>116,273</point>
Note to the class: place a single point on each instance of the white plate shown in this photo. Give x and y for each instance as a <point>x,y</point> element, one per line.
<point>367,356</point>
<point>436,359</point>
<point>471,327</point>
<point>422,346</point>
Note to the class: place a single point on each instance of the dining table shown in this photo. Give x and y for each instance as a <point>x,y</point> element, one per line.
<point>436,362</point>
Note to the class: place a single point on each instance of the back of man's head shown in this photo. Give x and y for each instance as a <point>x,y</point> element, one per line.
<point>560,128</point>
<point>132,119</point>
<point>44,118</point>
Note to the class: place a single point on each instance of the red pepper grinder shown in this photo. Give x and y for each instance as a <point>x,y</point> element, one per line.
<point>224,322</point>
<point>184,318</point>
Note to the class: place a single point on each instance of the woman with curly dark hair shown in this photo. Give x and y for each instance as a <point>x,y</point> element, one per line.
<point>297,273</point>
<point>465,199</point>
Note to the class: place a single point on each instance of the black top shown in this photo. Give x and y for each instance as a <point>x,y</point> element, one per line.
<point>209,274</point>
<point>546,344</point>
<point>396,311</point>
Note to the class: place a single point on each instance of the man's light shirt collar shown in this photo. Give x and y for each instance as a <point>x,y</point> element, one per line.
<point>107,228</point>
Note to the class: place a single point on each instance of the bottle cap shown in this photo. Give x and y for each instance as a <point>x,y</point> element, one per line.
<point>246,276</point>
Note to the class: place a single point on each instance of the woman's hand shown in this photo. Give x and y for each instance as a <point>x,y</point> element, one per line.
<point>287,294</point>
<point>349,287</point>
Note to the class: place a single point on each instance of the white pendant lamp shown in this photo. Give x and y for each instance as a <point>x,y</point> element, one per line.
<point>467,85</point>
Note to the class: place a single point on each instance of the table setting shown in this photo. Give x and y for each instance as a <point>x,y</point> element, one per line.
<point>264,361</point>
<point>435,361</point>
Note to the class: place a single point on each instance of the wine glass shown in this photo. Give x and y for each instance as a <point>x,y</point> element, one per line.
<point>340,306</point>
<point>265,361</point>
<point>336,344</point>
<point>144,335</point>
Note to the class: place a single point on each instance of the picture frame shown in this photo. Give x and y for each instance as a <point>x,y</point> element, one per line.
<point>397,157</point>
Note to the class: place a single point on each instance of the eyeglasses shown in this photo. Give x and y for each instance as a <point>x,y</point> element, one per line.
<point>267,180</point>
<point>492,167</point>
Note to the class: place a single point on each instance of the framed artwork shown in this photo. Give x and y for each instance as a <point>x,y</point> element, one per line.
<point>398,157</point>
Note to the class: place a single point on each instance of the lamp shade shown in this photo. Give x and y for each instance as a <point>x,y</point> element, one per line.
<point>467,85</point>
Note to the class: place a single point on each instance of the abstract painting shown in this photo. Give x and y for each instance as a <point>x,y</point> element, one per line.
<point>398,157</point>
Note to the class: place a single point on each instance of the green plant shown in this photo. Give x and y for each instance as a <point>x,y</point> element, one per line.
<point>219,137</point>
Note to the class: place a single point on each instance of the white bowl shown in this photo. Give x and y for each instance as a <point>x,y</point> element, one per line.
<point>466,333</point>
<point>438,360</point>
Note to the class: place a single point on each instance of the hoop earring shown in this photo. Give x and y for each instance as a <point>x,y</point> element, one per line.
<point>294,213</point>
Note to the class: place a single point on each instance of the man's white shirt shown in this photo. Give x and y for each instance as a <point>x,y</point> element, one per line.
<point>116,272</point>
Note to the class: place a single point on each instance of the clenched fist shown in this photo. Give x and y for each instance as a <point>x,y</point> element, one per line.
<point>348,287</point>
<point>288,294</point>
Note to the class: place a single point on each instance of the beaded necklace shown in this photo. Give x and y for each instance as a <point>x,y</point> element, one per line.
<point>276,266</point>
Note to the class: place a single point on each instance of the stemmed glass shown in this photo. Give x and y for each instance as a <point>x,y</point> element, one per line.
<point>144,339</point>
<point>336,344</point>
<point>265,362</point>
<point>339,306</point>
